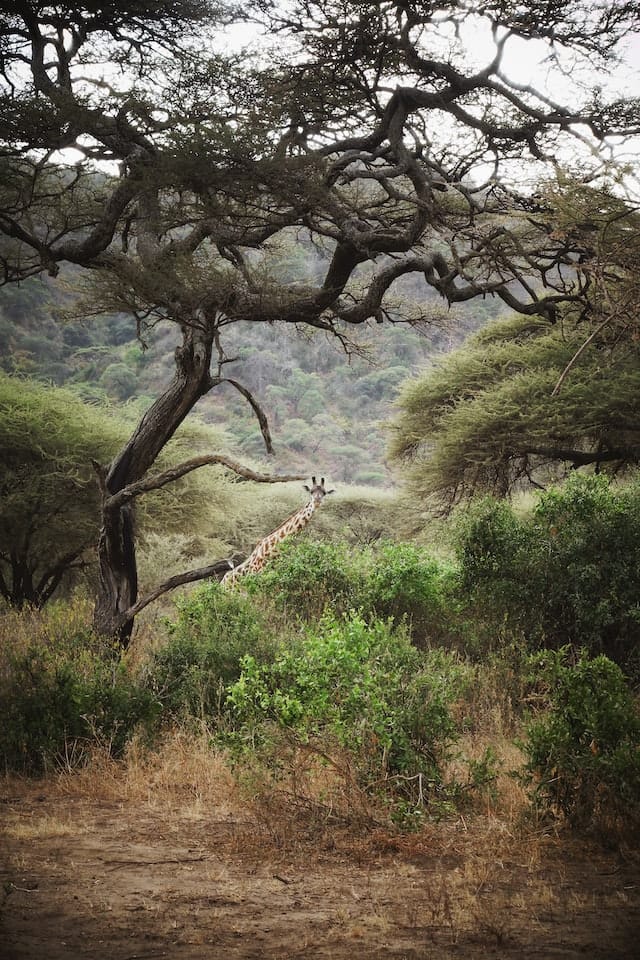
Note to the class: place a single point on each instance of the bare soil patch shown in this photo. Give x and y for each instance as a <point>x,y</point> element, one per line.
<point>127,877</point>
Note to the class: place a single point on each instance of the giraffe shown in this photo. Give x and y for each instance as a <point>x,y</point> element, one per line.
<point>267,547</point>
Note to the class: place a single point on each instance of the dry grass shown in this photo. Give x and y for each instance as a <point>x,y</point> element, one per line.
<point>308,793</point>
<point>50,628</point>
<point>479,882</point>
<point>179,819</point>
<point>39,827</point>
<point>300,791</point>
<point>503,796</point>
<point>182,769</point>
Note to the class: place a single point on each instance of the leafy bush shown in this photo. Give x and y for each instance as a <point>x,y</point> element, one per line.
<point>584,753</point>
<point>365,686</point>
<point>392,580</point>
<point>588,538</point>
<point>61,690</point>
<point>569,573</point>
<point>306,576</point>
<point>213,631</point>
<point>407,584</point>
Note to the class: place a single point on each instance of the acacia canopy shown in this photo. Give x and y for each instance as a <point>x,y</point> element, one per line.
<point>49,501</point>
<point>525,400</point>
<point>368,127</point>
<point>486,418</point>
<point>371,127</point>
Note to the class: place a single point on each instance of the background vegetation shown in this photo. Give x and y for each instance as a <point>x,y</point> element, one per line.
<point>325,408</point>
<point>385,660</point>
<point>405,672</point>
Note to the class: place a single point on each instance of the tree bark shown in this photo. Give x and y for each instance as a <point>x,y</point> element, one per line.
<point>118,578</point>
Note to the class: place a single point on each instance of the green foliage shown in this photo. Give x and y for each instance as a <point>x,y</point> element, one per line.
<point>48,489</point>
<point>568,573</point>
<point>321,410</point>
<point>213,631</point>
<point>200,503</point>
<point>492,549</point>
<point>365,686</point>
<point>405,583</point>
<point>361,516</point>
<point>390,581</point>
<point>306,576</point>
<point>40,344</point>
<point>119,381</point>
<point>63,690</point>
<point>486,418</point>
<point>584,752</point>
<point>49,497</point>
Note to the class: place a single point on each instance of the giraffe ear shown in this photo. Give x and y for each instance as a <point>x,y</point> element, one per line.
<point>307,487</point>
<point>333,490</point>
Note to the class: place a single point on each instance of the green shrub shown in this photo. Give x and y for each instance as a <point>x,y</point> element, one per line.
<point>364,685</point>
<point>584,753</point>
<point>568,573</point>
<point>306,576</point>
<point>406,584</point>
<point>214,629</point>
<point>492,543</point>
<point>57,702</point>
<point>588,540</point>
<point>392,580</point>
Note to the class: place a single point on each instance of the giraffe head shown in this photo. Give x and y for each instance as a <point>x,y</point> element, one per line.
<point>317,490</point>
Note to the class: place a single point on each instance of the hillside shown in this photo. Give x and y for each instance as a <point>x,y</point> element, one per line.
<point>326,408</point>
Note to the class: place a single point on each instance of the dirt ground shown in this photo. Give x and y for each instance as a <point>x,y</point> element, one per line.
<point>128,878</point>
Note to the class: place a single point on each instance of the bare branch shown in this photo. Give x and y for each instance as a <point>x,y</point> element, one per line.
<point>215,570</point>
<point>592,336</point>
<point>257,409</point>
<point>133,490</point>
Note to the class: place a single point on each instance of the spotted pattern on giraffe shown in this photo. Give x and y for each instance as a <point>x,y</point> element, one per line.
<point>269,545</point>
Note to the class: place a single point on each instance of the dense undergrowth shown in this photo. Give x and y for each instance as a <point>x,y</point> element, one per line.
<point>379,665</point>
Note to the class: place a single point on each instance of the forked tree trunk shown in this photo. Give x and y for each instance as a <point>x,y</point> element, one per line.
<point>118,577</point>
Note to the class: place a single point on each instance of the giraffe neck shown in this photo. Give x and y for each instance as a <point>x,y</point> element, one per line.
<point>269,545</point>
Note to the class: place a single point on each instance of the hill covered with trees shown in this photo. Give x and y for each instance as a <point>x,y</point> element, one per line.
<point>326,403</point>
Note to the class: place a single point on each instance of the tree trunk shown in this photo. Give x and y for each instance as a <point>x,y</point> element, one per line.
<point>117,575</point>
<point>118,578</point>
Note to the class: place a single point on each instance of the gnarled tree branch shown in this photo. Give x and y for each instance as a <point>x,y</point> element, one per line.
<point>133,490</point>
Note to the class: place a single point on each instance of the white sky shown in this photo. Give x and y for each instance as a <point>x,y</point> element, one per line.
<point>525,62</point>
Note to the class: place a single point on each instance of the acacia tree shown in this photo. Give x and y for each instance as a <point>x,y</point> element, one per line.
<point>525,401</point>
<point>48,513</point>
<point>486,419</point>
<point>368,126</point>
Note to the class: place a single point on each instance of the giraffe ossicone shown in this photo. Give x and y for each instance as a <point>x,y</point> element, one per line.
<point>268,546</point>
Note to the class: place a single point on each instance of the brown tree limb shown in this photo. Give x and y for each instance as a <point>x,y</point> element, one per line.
<point>582,458</point>
<point>133,490</point>
<point>257,409</point>
<point>217,570</point>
